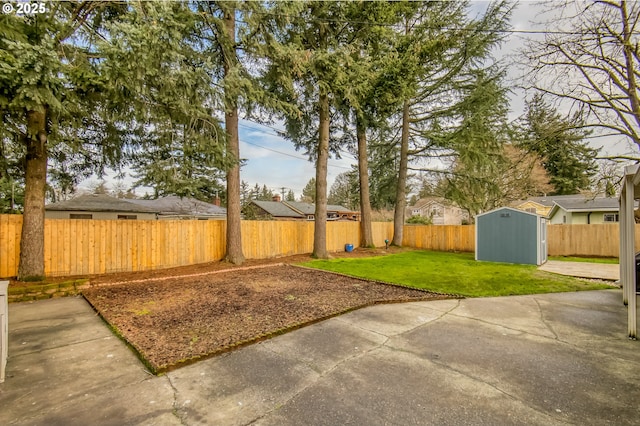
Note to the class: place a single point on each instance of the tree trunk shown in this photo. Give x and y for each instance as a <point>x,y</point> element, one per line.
<point>320,221</point>
<point>401,196</point>
<point>31,266</point>
<point>234,233</point>
<point>366,234</point>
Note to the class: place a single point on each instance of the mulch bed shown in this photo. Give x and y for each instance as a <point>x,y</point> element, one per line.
<point>173,321</point>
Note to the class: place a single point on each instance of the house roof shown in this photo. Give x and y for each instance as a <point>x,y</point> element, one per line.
<point>310,208</point>
<point>600,204</point>
<point>548,200</point>
<point>277,209</point>
<point>99,203</point>
<point>174,205</point>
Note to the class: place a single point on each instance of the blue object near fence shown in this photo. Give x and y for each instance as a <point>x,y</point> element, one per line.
<point>348,248</point>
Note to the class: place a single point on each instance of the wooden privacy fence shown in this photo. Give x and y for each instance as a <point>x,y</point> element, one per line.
<point>601,240</point>
<point>84,247</point>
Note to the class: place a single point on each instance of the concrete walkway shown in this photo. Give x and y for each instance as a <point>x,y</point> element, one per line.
<point>552,359</point>
<point>601,271</point>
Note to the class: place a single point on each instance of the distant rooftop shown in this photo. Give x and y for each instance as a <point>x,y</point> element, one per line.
<point>548,200</point>
<point>593,204</point>
<point>277,209</point>
<point>98,203</point>
<point>174,205</point>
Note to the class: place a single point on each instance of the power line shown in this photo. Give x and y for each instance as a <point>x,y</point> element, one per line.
<point>291,155</point>
<point>281,133</point>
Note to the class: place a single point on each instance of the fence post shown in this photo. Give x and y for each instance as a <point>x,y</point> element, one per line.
<point>4,327</point>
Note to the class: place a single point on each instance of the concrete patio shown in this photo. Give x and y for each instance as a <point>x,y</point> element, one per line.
<point>601,271</point>
<point>545,359</point>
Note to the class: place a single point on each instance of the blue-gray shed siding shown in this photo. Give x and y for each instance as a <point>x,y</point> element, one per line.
<point>507,235</point>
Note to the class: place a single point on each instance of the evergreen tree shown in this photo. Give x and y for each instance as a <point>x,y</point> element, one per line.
<point>265,194</point>
<point>11,175</point>
<point>309,70</point>
<point>559,141</point>
<point>290,196</point>
<point>478,140</point>
<point>437,63</point>
<point>345,190</point>
<point>53,95</point>
<point>245,193</point>
<point>309,191</point>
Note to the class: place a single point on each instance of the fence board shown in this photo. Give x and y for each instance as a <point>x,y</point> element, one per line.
<point>602,240</point>
<point>440,237</point>
<point>80,247</point>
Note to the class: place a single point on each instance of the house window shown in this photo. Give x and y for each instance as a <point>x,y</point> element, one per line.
<point>611,217</point>
<point>80,216</point>
<point>531,210</point>
<point>564,219</point>
<point>127,216</point>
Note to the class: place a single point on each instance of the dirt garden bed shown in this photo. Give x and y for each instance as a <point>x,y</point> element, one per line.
<point>175,320</point>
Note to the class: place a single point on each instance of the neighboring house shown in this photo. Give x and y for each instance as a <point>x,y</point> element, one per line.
<point>99,206</point>
<point>270,210</point>
<point>174,207</point>
<point>334,212</point>
<point>294,210</point>
<point>585,211</point>
<point>439,210</point>
<point>542,205</point>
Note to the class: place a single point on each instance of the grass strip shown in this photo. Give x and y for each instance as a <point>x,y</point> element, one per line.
<point>456,273</point>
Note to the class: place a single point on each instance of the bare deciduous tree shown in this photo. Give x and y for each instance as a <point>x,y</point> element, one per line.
<point>590,57</point>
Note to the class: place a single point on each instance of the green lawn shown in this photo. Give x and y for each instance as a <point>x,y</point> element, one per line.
<point>585,259</point>
<point>455,273</point>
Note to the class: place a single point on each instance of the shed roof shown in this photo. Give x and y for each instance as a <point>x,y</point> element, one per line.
<point>99,203</point>
<point>510,209</point>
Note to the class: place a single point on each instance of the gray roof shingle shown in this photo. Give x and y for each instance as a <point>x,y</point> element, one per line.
<point>277,209</point>
<point>99,203</point>
<point>595,204</point>
<point>550,199</point>
<point>187,206</point>
<point>310,208</point>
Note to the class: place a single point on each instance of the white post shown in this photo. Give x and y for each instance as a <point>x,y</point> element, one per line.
<point>627,246</point>
<point>4,327</point>
<point>623,256</point>
<point>631,182</point>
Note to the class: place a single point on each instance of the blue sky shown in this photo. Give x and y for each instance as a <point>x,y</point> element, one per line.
<point>273,161</point>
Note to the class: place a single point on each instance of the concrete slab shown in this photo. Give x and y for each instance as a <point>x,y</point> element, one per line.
<point>326,345</point>
<point>391,387</point>
<point>600,271</point>
<point>543,359</point>
<point>66,367</point>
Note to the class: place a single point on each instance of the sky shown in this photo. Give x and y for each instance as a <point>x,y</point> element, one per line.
<point>273,161</point>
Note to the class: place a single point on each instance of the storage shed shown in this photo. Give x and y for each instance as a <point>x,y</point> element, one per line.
<point>511,236</point>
